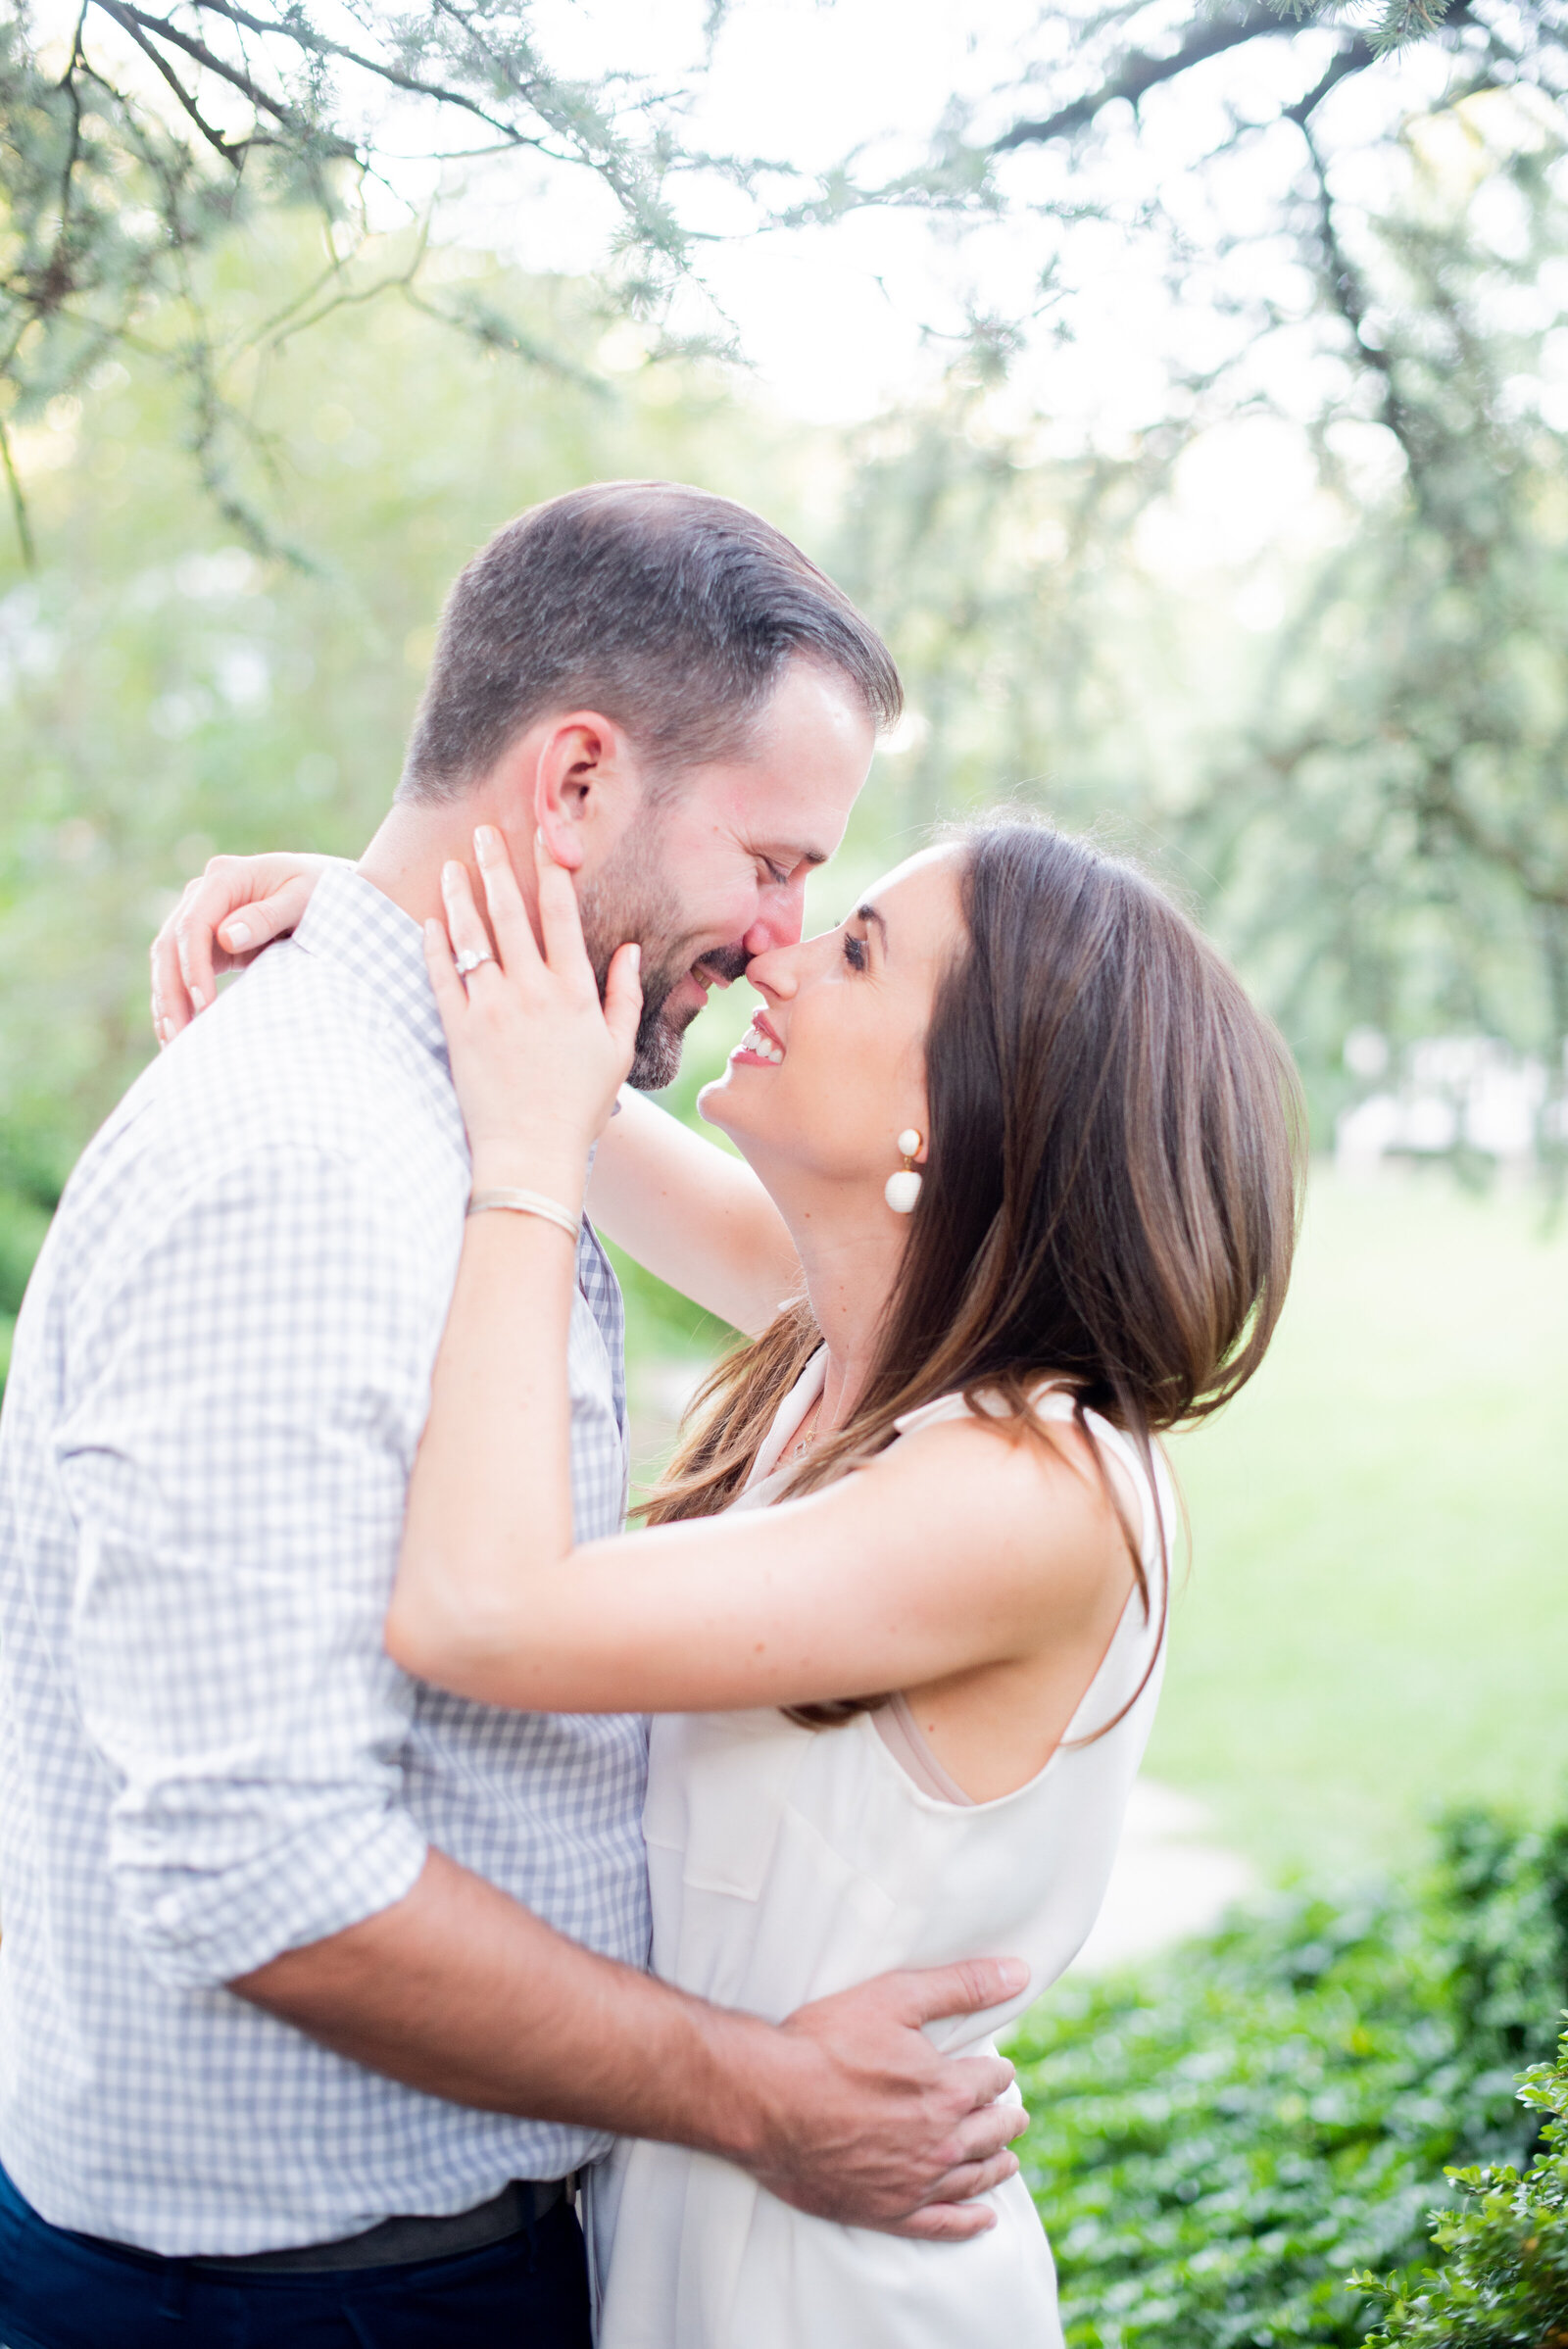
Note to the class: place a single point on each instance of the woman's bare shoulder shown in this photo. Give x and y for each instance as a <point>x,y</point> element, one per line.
<point>1009,1498</point>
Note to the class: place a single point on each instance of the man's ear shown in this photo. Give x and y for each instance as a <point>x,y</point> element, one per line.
<point>582,773</point>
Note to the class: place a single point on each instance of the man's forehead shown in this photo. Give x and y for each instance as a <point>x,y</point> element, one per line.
<point>788,802</point>
<point>805,814</point>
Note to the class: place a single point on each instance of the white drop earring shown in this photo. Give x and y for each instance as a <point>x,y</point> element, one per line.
<point>901,1189</point>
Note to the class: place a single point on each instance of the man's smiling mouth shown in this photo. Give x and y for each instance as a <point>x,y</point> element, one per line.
<point>722,967</point>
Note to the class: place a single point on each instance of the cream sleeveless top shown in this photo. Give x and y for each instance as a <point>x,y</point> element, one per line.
<point>788,1863</point>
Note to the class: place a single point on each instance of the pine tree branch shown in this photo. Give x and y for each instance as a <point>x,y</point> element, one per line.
<point>1353,58</point>
<point>233,155</point>
<point>282,329</point>
<point>129,17</point>
<point>316,44</point>
<point>1139,72</point>
<point>1347,298</point>
<point>1212,36</point>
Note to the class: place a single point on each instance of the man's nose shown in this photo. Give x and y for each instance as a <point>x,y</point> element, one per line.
<point>780,920</point>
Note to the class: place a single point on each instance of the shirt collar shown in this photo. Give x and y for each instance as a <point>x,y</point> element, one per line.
<point>351,922</point>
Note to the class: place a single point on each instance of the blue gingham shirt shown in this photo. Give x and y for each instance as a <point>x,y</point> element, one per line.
<point>221,1374</point>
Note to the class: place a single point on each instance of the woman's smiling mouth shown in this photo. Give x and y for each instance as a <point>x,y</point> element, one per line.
<point>759,1046</point>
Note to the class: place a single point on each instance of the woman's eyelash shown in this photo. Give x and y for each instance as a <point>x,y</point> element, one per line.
<point>854,951</point>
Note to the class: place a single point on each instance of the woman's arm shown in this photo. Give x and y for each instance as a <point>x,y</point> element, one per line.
<point>960,1549</point>
<point>957,1549</point>
<point>692,1214</point>
<point>536,1063</point>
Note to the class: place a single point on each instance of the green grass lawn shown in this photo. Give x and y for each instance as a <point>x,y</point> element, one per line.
<point>1376,1622</point>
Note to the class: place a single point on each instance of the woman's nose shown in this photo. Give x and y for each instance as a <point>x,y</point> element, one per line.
<point>773,972</point>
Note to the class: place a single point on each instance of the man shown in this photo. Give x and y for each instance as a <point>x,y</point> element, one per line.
<point>317,1986</point>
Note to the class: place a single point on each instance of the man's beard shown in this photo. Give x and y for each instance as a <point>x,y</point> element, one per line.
<point>632,900</point>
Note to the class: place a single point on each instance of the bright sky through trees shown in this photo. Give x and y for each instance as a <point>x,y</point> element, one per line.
<point>842,321</point>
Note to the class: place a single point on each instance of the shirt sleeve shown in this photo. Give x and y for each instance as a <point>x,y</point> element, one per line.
<point>236,1455</point>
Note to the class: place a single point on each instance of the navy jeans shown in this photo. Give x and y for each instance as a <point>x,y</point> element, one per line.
<point>65,2291</point>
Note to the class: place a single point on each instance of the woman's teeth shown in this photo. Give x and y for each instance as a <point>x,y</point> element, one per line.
<point>754,1041</point>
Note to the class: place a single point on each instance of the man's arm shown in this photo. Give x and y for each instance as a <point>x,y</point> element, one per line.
<point>248,1382</point>
<point>847,2110</point>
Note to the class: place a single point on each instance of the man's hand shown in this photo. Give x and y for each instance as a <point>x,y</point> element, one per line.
<point>875,2127</point>
<point>847,2110</point>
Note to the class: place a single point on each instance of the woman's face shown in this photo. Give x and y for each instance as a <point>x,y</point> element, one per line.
<point>833,1068</point>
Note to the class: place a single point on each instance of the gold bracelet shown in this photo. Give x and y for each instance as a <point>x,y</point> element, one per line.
<point>529,1202</point>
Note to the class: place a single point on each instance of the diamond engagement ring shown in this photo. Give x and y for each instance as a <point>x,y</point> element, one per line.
<point>470,959</point>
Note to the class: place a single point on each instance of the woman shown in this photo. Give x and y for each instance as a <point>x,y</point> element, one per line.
<point>1027,1172</point>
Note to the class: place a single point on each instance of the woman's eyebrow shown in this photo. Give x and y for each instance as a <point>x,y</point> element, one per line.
<point>870,913</point>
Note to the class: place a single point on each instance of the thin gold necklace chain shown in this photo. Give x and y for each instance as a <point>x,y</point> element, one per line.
<point>802,1444</point>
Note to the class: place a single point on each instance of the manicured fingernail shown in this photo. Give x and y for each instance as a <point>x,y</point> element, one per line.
<point>484,844</point>
<point>237,934</point>
<point>1014,1973</point>
<point>198,999</point>
<point>636,958</point>
<point>449,875</point>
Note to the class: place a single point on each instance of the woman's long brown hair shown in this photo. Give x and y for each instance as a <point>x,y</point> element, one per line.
<point>1110,1196</point>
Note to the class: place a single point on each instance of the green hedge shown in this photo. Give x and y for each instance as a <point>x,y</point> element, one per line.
<point>1504,2284</point>
<point>1220,2143</point>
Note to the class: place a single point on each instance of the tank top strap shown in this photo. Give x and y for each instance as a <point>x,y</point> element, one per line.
<point>1052,1402</point>
<point>787,1419</point>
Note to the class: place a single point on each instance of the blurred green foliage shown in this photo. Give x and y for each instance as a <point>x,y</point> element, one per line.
<point>30,1183</point>
<point>1217,2143</point>
<point>1366,799</point>
<point>1504,2279</point>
